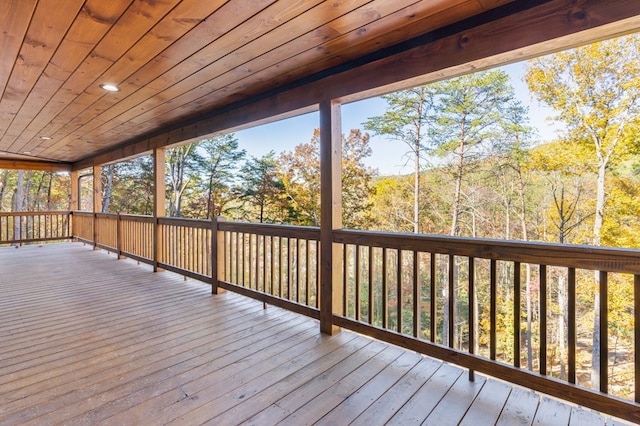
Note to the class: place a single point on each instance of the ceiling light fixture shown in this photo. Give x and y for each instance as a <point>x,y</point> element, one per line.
<point>45,138</point>
<point>110,87</point>
<point>27,152</point>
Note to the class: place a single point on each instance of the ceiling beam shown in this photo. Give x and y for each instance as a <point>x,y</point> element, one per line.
<point>47,166</point>
<point>492,39</point>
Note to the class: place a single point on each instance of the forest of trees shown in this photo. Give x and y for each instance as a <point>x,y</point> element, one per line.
<point>479,170</point>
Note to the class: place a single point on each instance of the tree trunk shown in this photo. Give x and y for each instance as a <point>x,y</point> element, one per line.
<point>525,237</point>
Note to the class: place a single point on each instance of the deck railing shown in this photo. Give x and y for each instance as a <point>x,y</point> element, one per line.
<point>34,227</point>
<point>465,301</point>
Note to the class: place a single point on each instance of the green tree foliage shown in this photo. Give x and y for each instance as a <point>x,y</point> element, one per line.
<point>596,91</point>
<point>300,175</point>
<point>127,186</point>
<point>262,189</point>
<point>408,120</point>
<point>30,190</point>
<point>469,115</point>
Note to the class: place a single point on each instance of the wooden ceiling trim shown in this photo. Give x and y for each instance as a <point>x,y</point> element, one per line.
<point>92,24</point>
<point>48,26</point>
<point>539,30</point>
<point>546,28</point>
<point>84,74</point>
<point>236,79</point>
<point>181,19</point>
<point>284,21</point>
<point>144,55</point>
<point>208,89</point>
<point>46,166</point>
<point>14,24</point>
<point>137,21</point>
<point>139,89</point>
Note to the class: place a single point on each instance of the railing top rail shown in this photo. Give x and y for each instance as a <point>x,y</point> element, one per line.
<point>181,221</point>
<point>288,231</point>
<point>565,255</point>
<point>42,213</point>
<point>136,217</point>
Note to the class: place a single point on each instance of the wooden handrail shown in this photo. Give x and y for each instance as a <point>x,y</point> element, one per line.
<point>34,227</point>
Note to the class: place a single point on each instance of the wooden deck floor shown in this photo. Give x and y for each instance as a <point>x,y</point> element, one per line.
<point>88,339</point>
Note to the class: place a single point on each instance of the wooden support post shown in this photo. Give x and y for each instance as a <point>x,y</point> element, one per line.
<point>330,213</point>
<point>159,203</point>
<point>74,202</point>
<point>97,201</point>
<point>75,191</point>
<point>217,255</point>
<point>119,236</point>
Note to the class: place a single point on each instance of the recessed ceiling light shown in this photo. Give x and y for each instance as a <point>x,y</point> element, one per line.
<point>110,87</point>
<point>45,138</point>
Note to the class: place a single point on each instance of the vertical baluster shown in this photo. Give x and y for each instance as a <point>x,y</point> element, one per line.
<point>280,267</point>
<point>472,311</point>
<point>307,284</point>
<point>264,263</point>
<point>451,320</point>
<point>289,264</point>
<point>604,332</point>
<point>416,296</point>
<point>370,277</point>
<point>356,268</point>
<point>492,309</point>
<point>317,290</point>
<point>399,289</point>
<point>251,276</point>
<point>385,289</point>
<point>432,297</point>
<point>636,331</point>
<point>345,280</point>
<point>273,264</point>
<point>297,259</point>
<point>516,313</point>
<point>571,323</point>
<point>543,319</point>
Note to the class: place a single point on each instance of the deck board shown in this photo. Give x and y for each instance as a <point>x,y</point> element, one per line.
<point>86,338</point>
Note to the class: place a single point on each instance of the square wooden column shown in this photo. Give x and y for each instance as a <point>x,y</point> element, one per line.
<point>74,203</point>
<point>97,189</point>
<point>330,213</point>
<point>159,203</point>
<point>97,201</point>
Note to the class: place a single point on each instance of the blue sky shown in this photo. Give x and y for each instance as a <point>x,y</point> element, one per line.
<point>387,157</point>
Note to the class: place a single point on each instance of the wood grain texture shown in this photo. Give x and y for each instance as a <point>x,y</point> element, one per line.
<point>89,339</point>
<point>177,61</point>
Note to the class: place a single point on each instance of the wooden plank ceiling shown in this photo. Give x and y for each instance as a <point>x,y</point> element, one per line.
<point>175,60</point>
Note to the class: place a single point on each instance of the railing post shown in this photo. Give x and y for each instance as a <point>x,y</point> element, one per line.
<point>97,201</point>
<point>119,236</point>
<point>330,213</point>
<point>159,208</point>
<point>156,244</point>
<point>217,254</point>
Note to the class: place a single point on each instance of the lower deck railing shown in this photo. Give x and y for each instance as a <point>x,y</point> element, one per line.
<point>523,312</point>
<point>34,227</point>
